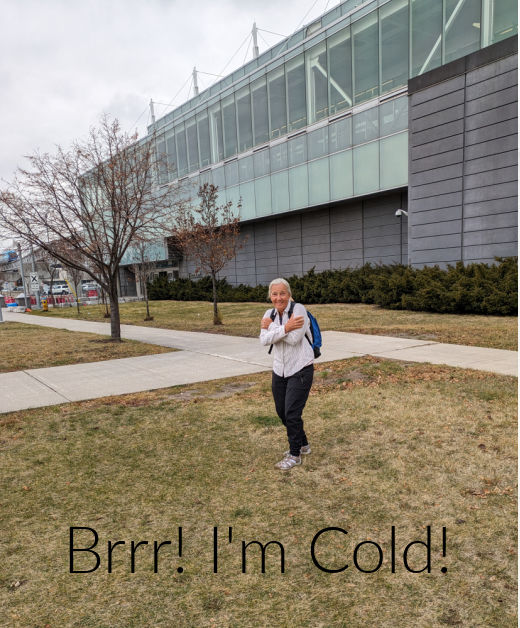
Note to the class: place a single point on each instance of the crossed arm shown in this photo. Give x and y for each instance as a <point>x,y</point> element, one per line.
<point>292,332</point>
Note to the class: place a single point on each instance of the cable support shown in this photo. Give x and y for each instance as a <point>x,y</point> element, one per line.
<point>238,50</point>
<point>271,32</point>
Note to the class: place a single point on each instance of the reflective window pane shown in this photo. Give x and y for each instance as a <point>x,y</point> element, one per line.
<point>193,145</point>
<point>297,148</point>
<point>231,170</point>
<point>229,126</point>
<point>393,115</point>
<point>219,179</point>
<point>162,160</point>
<point>298,187</point>
<point>366,125</point>
<point>426,21</point>
<point>366,168</point>
<point>182,153</point>
<point>318,142</point>
<point>277,106</point>
<point>204,146</point>
<point>261,162</point>
<point>172,154</point>
<point>245,168</point>
<point>280,191</point>
<point>317,84</point>
<point>297,107</point>
<point>340,71</point>
<point>366,58</point>
<point>340,134</point>
<point>394,44</point>
<point>263,196</point>
<point>260,119</point>
<point>247,192</point>
<point>319,181</point>
<point>341,176</point>
<point>245,131</point>
<point>461,28</point>
<point>505,20</point>
<point>279,157</point>
<point>394,161</point>
<point>215,128</point>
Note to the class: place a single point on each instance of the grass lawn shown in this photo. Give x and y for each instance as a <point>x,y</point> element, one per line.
<point>393,444</point>
<point>32,347</point>
<point>242,319</point>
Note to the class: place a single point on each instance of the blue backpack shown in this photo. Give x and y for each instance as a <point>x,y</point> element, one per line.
<point>315,330</point>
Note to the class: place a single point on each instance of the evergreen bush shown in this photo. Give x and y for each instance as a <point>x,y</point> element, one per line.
<point>458,289</point>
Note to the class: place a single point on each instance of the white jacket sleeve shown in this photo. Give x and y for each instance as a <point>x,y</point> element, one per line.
<point>296,335</point>
<point>274,333</point>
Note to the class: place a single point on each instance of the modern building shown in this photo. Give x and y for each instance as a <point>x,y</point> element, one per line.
<point>374,107</point>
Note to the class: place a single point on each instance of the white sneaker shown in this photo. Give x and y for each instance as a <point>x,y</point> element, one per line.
<point>288,462</point>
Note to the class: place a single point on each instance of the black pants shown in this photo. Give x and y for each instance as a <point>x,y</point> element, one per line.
<point>290,396</point>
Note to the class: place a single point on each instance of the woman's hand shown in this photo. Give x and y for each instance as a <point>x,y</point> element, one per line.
<point>295,322</point>
<point>265,323</point>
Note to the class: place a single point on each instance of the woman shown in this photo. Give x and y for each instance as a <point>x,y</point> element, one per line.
<point>293,366</point>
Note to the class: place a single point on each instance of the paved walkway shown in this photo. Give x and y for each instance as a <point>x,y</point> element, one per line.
<point>204,357</point>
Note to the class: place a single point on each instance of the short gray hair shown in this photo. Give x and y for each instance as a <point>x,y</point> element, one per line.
<point>278,280</point>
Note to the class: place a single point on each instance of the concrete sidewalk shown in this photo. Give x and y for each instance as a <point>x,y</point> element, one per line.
<point>204,356</point>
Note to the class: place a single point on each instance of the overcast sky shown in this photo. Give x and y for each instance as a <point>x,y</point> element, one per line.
<point>63,63</point>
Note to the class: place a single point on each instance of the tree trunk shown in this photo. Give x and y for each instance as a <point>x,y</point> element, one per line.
<point>145,292</point>
<point>216,315</point>
<point>115,323</point>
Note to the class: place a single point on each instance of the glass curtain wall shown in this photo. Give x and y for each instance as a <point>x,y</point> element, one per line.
<point>374,55</point>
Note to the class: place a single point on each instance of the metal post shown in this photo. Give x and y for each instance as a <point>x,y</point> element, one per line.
<point>21,272</point>
<point>195,83</point>
<point>152,112</point>
<point>33,262</point>
<point>254,32</point>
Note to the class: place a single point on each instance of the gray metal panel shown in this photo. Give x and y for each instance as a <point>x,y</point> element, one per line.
<point>493,177</point>
<point>435,161</point>
<point>491,192</point>
<point>434,105</point>
<point>492,101</point>
<point>438,242</point>
<point>491,132</point>
<point>434,175</point>
<point>433,202</point>
<point>495,236</point>
<point>435,256</point>
<point>491,162</point>
<point>435,91</point>
<point>492,147</point>
<point>437,119</point>
<point>475,253</point>
<point>436,146</point>
<point>433,189</point>
<point>486,72</point>
<point>437,133</point>
<point>436,229</point>
<point>436,215</point>
<point>489,208</point>
<point>480,223</point>
<point>484,118</point>
<point>495,84</point>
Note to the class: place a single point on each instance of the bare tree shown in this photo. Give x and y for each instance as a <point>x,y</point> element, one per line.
<point>49,265</point>
<point>143,266</point>
<point>209,234</point>
<point>96,198</point>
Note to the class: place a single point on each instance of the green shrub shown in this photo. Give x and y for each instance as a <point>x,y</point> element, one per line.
<point>458,289</point>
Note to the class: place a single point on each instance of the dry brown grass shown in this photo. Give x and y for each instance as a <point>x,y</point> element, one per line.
<point>242,319</point>
<point>31,347</point>
<point>400,444</point>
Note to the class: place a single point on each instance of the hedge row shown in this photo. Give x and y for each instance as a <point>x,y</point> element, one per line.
<point>459,289</point>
